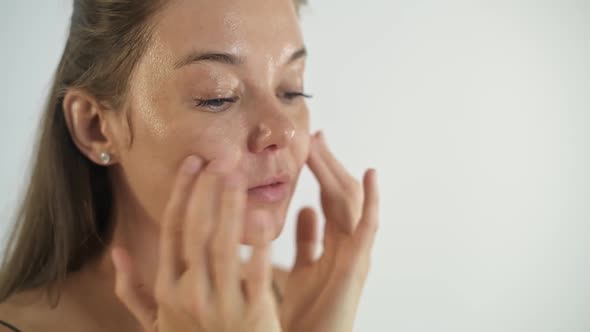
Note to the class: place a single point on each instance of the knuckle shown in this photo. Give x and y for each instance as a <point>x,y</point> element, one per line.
<point>352,188</point>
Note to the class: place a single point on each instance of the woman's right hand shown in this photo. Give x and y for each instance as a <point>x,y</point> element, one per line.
<point>198,285</point>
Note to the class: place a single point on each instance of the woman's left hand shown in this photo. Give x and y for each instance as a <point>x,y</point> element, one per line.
<point>323,294</point>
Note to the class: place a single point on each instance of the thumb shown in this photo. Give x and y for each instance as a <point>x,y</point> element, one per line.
<point>307,237</point>
<point>131,292</point>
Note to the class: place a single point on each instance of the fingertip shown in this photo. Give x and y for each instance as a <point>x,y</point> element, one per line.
<point>191,165</point>
<point>306,211</point>
<point>307,225</point>
<point>371,177</point>
<point>320,135</point>
<point>317,139</point>
<point>306,215</point>
<point>370,172</point>
<point>370,218</point>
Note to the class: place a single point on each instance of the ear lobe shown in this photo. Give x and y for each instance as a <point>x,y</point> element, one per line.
<point>87,125</point>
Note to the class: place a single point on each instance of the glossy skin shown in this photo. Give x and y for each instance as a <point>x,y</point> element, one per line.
<point>264,133</point>
<point>240,113</point>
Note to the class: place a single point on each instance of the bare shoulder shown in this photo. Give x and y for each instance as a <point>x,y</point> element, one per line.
<point>13,315</point>
<point>21,311</point>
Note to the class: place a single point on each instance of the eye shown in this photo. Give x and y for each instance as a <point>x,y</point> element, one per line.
<point>292,95</point>
<point>217,104</point>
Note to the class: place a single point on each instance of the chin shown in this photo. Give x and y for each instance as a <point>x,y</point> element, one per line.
<point>266,210</point>
<point>263,225</point>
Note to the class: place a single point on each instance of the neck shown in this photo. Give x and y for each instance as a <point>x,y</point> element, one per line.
<point>94,285</point>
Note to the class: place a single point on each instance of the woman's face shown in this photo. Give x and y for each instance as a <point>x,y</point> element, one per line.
<point>221,80</point>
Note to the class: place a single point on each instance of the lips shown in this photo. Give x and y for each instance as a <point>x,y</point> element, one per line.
<point>271,190</point>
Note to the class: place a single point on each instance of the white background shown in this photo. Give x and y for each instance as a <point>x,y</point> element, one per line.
<point>475,113</point>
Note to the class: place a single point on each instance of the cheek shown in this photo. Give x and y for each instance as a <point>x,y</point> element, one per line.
<point>160,145</point>
<point>217,140</point>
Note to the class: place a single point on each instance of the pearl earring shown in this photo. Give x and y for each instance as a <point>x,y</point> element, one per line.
<point>105,157</point>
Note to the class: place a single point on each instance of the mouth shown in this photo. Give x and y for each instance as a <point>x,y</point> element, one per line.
<point>271,190</point>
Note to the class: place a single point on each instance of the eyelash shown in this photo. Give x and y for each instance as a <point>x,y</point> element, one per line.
<point>212,103</point>
<point>293,95</point>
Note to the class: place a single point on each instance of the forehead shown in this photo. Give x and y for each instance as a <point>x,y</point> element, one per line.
<point>257,28</point>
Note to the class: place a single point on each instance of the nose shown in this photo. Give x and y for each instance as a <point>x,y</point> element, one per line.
<point>273,130</point>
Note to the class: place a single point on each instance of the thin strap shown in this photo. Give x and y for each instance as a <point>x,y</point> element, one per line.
<point>9,326</point>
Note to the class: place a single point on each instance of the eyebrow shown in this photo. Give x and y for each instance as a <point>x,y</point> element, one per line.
<point>226,58</point>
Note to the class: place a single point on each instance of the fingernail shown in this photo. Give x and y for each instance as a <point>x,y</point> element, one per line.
<point>191,165</point>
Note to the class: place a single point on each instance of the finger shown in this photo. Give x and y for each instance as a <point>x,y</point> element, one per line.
<point>258,269</point>
<point>307,237</point>
<point>340,173</point>
<point>351,208</point>
<point>224,253</point>
<point>370,219</point>
<point>319,167</point>
<point>130,291</point>
<point>201,213</point>
<point>342,195</point>
<point>200,216</point>
<point>172,221</point>
<point>259,274</point>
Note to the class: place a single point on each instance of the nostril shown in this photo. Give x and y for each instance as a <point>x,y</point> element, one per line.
<point>272,147</point>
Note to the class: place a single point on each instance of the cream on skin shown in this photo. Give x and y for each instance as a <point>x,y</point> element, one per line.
<point>263,131</point>
<point>218,82</point>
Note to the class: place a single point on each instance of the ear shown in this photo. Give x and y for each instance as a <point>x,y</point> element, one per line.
<point>89,127</point>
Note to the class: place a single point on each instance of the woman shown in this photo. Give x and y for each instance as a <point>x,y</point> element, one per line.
<point>176,130</point>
